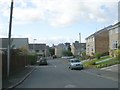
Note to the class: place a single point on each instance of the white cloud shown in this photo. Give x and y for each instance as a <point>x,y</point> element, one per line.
<point>27,14</point>
<point>61,12</point>
<point>49,40</point>
<point>2,32</point>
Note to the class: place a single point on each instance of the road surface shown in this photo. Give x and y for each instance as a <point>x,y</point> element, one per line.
<point>57,75</point>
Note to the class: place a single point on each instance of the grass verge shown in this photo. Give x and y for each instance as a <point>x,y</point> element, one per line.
<point>92,63</point>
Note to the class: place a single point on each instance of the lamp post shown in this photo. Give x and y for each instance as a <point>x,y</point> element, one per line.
<point>80,43</point>
<point>9,40</point>
<point>34,44</point>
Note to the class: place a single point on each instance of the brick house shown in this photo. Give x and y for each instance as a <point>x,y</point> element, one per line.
<point>114,38</point>
<point>98,42</point>
<point>77,48</point>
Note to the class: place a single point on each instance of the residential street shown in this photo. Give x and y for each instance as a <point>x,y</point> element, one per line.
<point>57,75</point>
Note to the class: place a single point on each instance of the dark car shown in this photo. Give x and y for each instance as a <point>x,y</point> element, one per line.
<point>54,56</point>
<point>42,61</point>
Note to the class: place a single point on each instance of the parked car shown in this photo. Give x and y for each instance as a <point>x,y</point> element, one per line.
<point>67,57</point>
<point>42,61</point>
<point>75,64</point>
<point>54,56</point>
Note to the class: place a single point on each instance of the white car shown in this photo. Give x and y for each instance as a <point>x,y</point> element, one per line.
<point>75,64</point>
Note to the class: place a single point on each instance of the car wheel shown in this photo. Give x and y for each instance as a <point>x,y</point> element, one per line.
<point>81,68</point>
<point>71,68</point>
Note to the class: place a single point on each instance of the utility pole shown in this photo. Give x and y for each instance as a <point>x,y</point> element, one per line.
<point>80,43</point>
<point>9,40</point>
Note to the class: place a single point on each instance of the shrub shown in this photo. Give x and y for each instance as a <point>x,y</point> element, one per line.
<point>84,55</point>
<point>32,59</point>
<point>105,54</point>
<point>23,50</point>
<point>98,55</point>
<point>117,53</point>
<point>67,53</point>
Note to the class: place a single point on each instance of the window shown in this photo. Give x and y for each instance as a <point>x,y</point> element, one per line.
<point>87,49</point>
<point>36,50</point>
<point>82,49</point>
<point>115,44</point>
<point>92,49</point>
<point>43,50</point>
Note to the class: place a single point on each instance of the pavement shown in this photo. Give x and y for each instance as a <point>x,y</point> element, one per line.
<point>17,78</point>
<point>104,74</point>
<point>113,68</point>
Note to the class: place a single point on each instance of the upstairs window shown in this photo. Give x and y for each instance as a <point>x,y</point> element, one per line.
<point>115,44</point>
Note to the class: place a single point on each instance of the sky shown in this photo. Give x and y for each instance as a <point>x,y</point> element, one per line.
<point>57,21</point>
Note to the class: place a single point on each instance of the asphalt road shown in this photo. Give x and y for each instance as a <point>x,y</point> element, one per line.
<point>58,75</point>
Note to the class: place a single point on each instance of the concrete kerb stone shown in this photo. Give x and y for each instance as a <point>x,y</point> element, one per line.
<point>18,83</point>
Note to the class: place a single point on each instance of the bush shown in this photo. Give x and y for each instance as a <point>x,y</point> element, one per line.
<point>84,56</point>
<point>105,54</point>
<point>98,55</point>
<point>32,59</point>
<point>117,53</point>
<point>67,53</point>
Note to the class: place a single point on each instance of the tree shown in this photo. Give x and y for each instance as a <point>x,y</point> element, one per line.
<point>69,48</point>
<point>67,53</point>
<point>84,56</point>
<point>52,51</point>
<point>23,50</point>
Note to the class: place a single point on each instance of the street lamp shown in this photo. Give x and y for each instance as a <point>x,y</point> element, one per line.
<point>9,39</point>
<point>34,44</point>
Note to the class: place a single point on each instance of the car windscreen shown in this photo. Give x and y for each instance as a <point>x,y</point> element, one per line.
<point>73,61</point>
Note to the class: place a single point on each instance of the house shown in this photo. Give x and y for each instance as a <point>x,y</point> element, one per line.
<point>77,48</point>
<point>59,50</point>
<point>38,48</point>
<point>16,43</point>
<point>114,38</point>
<point>98,42</point>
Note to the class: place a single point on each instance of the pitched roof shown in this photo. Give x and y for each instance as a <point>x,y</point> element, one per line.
<point>100,31</point>
<point>115,26</point>
<point>78,45</point>
<point>37,46</point>
<point>17,42</point>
